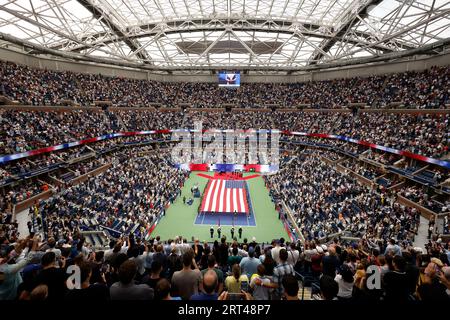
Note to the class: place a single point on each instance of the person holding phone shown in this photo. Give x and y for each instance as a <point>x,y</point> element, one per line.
<point>244,285</point>
<point>235,296</point>
<point>237,281</point>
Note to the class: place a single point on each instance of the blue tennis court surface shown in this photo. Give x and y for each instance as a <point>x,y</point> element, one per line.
<point>226,219</point>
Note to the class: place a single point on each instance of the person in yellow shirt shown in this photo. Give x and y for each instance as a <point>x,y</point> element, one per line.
<point>234,282</point>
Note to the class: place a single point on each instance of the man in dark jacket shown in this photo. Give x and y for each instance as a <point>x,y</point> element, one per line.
<point>223,253</point>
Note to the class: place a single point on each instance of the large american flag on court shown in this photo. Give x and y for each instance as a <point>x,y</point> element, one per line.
<point>225,196</point>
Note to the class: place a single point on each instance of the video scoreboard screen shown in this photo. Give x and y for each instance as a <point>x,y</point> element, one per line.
<point>229,79</point>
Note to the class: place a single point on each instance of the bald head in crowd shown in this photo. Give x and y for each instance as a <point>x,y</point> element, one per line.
<point>210,281</point>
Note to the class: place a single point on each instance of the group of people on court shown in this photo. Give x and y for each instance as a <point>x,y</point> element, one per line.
<point>219,232</point>
<point>195,193</point>
<point>188,201</point>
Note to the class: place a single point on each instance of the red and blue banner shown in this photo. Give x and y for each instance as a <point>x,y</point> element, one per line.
<point>227,167</point>
<point>17,156</point>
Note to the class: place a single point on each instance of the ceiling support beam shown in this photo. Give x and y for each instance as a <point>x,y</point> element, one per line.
<point>43,26</point>
<point>194,25</point>
<point>40,25</point>
<point>103,17</point>
<point>36,48</point>
<point>327,44</point>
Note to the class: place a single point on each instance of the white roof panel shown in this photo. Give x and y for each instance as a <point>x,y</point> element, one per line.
<point>150,31</point>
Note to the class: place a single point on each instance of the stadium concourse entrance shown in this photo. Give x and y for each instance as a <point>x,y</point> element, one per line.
<point>226,200</point>
<point>186,220</point>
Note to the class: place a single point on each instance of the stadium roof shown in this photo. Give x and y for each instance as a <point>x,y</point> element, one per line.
<point>212,34</point>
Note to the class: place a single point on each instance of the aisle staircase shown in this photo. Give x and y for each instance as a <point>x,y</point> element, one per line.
<point>183,122</point>
<point>422,234</point>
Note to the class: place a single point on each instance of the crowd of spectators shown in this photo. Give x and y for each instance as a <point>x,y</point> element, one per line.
<point>8,227</point>
<point>362,169</point>
<point>425,134</point>
<point>425,198</point>
<point>20,192</point>
<point>332,204</point>
<point>79,122</point>
<point>136,190</point>
<point>131,269</point>
<point>331,155</point>
<point>425,89</point>
<point>382,157</point>
<point>325,202</point>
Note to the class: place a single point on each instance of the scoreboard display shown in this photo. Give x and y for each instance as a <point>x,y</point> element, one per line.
<point>229,79</point>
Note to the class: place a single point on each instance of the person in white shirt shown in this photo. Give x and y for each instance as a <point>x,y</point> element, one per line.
<point>178,246</point>
<point>276,252</point>
<point>52,243</point>
<point>293,255</point>
<point>345,281</point>
<point>185,247</point>
<point>393,247</point>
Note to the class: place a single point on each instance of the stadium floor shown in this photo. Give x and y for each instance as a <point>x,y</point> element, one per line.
<point>180,218</point>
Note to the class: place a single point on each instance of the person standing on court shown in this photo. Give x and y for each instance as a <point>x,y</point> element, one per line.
<point>232,233</point>
<point>240,233</point>
<point>219,231</point>
<point>211,231</point>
